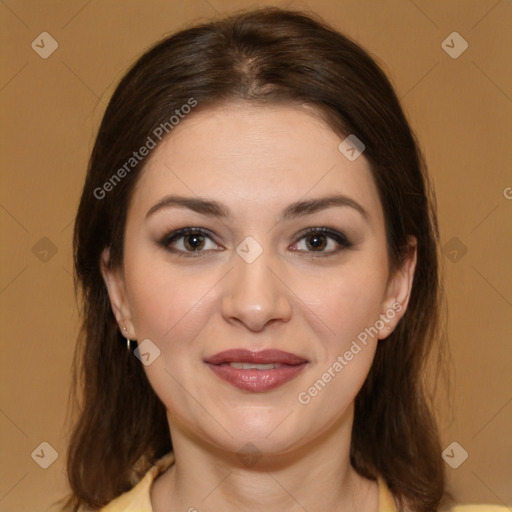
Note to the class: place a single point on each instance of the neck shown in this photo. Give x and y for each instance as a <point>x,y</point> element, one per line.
<point>318,476</point>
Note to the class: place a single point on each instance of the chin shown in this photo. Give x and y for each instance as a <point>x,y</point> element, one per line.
<point>257,447</point>
<point>269,436</point>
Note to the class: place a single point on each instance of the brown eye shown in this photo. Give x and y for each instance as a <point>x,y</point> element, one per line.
<point>193,241</point>
<point>316,241</point>
<point>319,239</point>
<point>187,241</point>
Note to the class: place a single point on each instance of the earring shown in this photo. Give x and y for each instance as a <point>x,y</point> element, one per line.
<point>128,341</point>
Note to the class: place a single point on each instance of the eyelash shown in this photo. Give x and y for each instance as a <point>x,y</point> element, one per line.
<point>338,237</point>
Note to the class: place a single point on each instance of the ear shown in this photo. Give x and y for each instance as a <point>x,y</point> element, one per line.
<point>114,281</point>
<point>398,291</point>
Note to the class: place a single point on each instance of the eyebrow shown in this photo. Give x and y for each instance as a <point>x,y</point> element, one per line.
<point>297,209</point>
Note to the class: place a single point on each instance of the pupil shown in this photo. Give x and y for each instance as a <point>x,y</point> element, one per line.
<point>196,241</point>
<point>317,241</point>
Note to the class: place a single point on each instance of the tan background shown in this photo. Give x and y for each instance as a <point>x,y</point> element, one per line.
<point>460,108</point>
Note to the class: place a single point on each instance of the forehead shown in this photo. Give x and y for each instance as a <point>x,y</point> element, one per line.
<point>255,157</point>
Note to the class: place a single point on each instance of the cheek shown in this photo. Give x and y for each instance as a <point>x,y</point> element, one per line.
<point>165,303</point>
<point>346,300</point>
<point>171,307</point>
<point>349,305</point>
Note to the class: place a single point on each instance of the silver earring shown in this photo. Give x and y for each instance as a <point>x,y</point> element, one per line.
<point>128,345</point>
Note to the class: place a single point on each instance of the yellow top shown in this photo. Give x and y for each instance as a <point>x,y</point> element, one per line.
<point>138,498</point>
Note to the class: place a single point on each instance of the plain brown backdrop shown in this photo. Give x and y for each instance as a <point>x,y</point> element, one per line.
<point>460,109</point>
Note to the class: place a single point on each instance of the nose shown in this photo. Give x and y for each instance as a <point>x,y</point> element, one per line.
<point>255,295</point>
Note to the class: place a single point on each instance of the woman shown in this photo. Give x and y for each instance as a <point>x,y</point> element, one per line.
<point>257,249</point>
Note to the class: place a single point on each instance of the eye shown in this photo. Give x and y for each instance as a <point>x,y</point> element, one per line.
<point>317,240</point>
<point>187,241</point>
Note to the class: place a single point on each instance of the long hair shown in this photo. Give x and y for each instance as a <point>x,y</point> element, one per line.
<point>266,56</point>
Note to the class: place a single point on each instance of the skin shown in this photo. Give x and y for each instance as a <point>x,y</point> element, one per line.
<point>256,161</point>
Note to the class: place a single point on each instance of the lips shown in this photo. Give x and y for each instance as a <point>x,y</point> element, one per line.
<point>256,371</point>
<point>262,357</point>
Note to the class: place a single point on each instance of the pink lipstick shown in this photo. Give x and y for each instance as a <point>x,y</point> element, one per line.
<point>256,371</point>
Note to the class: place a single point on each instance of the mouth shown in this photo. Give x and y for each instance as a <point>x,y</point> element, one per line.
<point>256,371</point>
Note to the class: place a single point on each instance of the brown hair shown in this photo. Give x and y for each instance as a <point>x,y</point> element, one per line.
<point>261,56</point>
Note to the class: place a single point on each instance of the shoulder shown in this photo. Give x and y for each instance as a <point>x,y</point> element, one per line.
<point>387,503</point>
<point>480,508</point>
<point>138,498</point>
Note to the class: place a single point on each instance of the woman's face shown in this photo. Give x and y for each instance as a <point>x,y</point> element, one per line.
<point>254,280</point>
